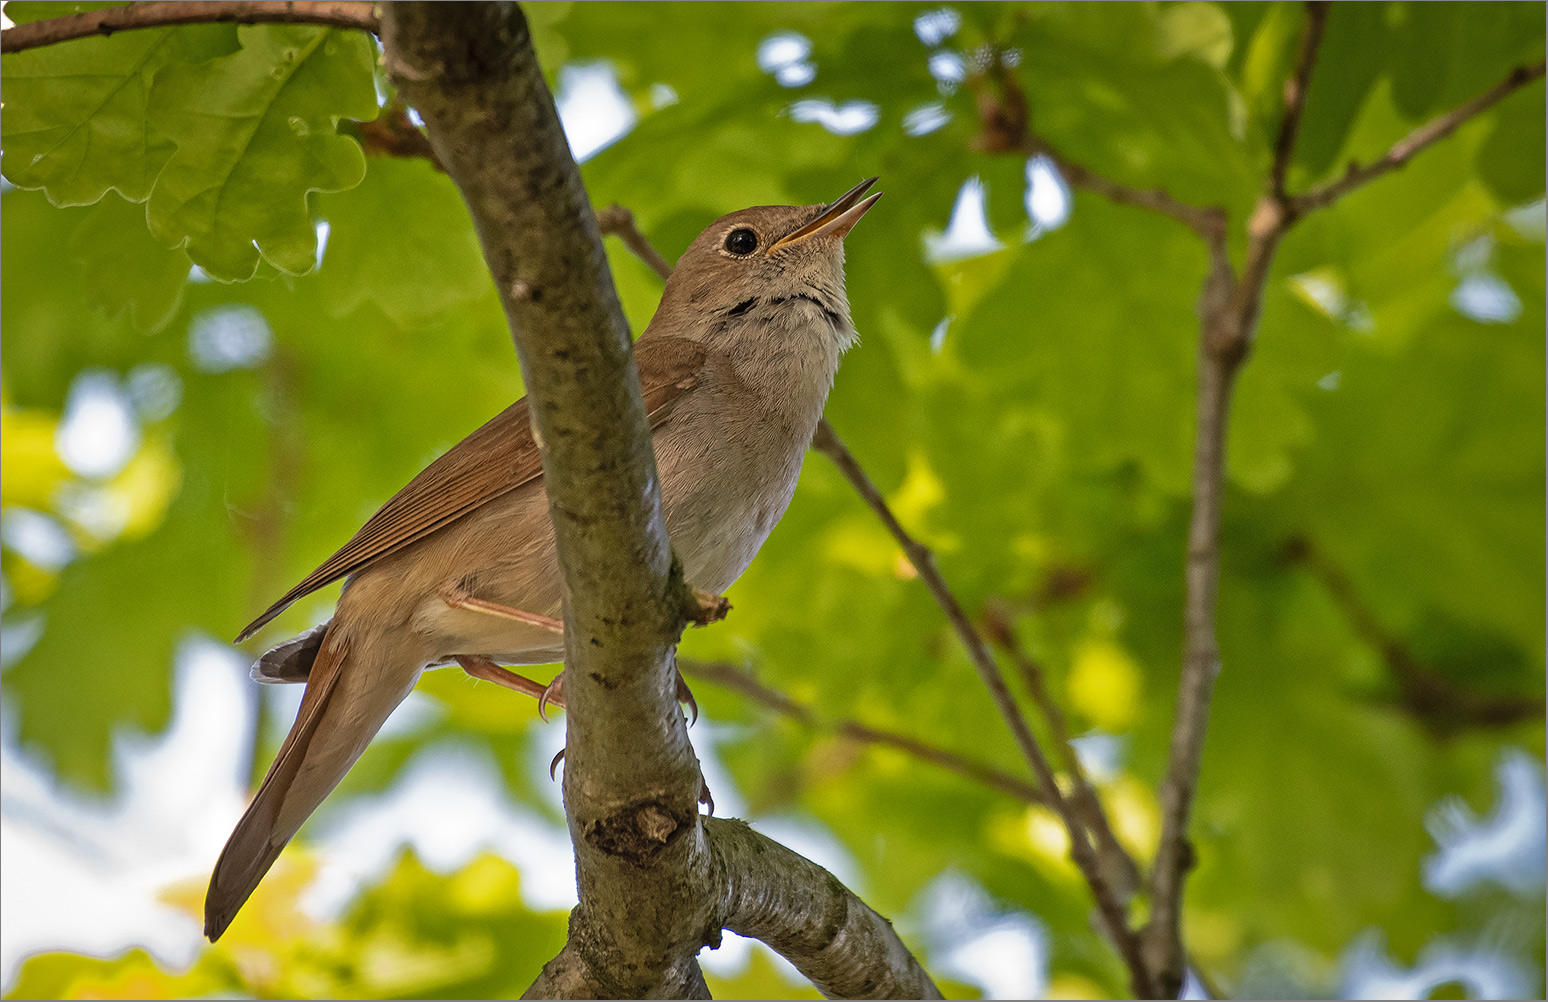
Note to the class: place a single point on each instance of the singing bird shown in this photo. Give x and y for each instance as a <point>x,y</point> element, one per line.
<point>459,566</point>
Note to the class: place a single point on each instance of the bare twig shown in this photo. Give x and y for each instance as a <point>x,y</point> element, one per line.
<point>1108,903</point>
<point>1005,127</point>
<point>1440,704</point>
<point>1207,221</point>
<point>1228,311</point>
<point>1295,95</point>
<point>1407,147</point>
<point>744,683</point>
<point>1118,864</point>
<point>619,221</point>
<point>165,13</point>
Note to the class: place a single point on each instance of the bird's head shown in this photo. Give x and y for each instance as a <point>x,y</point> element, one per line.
<point>765,261</point>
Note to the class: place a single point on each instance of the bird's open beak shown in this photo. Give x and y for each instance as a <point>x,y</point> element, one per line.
<point>837,219</point>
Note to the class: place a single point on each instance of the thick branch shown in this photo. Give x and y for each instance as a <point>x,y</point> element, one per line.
<point>744,683</point>
<point>1108,904</point>
<point>334,13</point>
<point>1406,148</point>
<point>651,890</point>
<point>631,780</point>
<point>807,916</point>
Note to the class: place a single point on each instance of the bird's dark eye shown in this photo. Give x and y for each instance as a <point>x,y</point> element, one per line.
<point>742,241</point>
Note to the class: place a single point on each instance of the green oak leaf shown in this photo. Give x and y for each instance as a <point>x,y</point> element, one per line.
<point>126,267</point>
<point>75,113</point>
<point>426,262</point>
<point>255,132</point>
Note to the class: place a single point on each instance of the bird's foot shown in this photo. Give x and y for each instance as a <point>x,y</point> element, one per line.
<point>685,695</point>
<point>456,598</point>
<point>552,693</point>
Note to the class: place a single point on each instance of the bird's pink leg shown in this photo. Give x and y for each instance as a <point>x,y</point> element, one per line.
<point>479,666</point>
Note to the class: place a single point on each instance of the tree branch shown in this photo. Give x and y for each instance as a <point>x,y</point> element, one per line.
<point>394,134</point>
<point>165,13</point>
<point>1117,864</point>
<point>1228,310</point>
<point>619,221</point>
<point>1005,127</point>
<point>744,683</point>
<point>1109,907</point>
<point>631,781</point>
<point>1209,222</point>
<point>1295,95</point>
<point>808,917</point>
<point>1410,145</point>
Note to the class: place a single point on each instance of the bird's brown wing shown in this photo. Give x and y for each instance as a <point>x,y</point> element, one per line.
<point>493,461</point>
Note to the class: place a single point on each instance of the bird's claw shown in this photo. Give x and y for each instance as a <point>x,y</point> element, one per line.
<point>552,693</point>
<point>685,695</point>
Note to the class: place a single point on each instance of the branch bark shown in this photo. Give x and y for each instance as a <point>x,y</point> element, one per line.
<point>808,917</point>
<point>631,780</point>
<point>1228,310</point>
<point>166,13</point>
<point>1117,865</point>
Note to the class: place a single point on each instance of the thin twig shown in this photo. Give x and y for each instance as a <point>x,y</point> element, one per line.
<point>394,134</point>
<point>1411,144</point>
<point>1005,127</point>
<point>165,13</point>
<point>1229,309</point>
<point>744,683</point>
<point>1440,704</point>
<point>619,221</point>
<point>1207,221</point>
<point>1111,910</point>
<point>1121,868</point>
<point>1296,87</point>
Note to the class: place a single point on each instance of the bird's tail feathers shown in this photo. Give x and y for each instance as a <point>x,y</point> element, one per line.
<point>282,803</point>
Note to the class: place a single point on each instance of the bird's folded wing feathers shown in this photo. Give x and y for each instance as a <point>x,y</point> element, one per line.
<point>494,460</point>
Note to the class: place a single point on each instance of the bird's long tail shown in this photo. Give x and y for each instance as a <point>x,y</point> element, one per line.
<point>340,713</point>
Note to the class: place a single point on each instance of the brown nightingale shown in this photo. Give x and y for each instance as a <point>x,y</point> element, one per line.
<point>736,366</point>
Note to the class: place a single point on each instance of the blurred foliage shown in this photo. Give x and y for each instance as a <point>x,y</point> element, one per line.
<point>1043,447</point>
